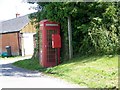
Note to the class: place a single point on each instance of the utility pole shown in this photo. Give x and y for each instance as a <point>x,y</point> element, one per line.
<point>70,38</point>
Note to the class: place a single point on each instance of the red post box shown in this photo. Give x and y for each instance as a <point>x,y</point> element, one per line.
<point>49,43</point>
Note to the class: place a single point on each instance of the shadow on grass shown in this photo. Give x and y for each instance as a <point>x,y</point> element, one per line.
<point>83,59</point>
<point>30,64</point>
<point>86,58</point>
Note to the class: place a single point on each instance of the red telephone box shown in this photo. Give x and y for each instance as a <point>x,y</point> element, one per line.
<point>49,43</point>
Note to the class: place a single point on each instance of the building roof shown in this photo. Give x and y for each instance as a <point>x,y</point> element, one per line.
<point>14,25</point>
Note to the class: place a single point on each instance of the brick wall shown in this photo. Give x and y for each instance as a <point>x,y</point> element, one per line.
<point>10,39</point>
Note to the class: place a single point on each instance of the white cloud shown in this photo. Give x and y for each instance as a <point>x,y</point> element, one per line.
<point>8,8</point>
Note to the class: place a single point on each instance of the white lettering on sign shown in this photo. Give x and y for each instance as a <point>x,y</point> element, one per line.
<point>51,24</point>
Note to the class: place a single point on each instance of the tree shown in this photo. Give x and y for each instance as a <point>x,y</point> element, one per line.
<point>95,25</point>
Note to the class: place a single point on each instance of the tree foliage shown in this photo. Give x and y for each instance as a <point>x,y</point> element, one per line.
<point>95,25</point>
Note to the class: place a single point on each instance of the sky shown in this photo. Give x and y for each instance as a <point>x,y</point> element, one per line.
<point>9,8</point>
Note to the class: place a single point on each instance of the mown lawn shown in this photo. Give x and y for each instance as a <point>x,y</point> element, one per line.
<point>90,71</point>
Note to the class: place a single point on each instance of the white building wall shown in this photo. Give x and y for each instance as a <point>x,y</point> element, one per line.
<point>27,44</point>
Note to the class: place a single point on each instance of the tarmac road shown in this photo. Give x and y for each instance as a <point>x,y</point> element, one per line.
<point>14,77</point>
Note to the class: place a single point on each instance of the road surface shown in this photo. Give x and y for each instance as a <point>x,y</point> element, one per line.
<point>14,77</point>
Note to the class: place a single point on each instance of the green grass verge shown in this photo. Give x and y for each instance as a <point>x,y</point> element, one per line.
<point>30,64</point>
<point>90,71</point>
